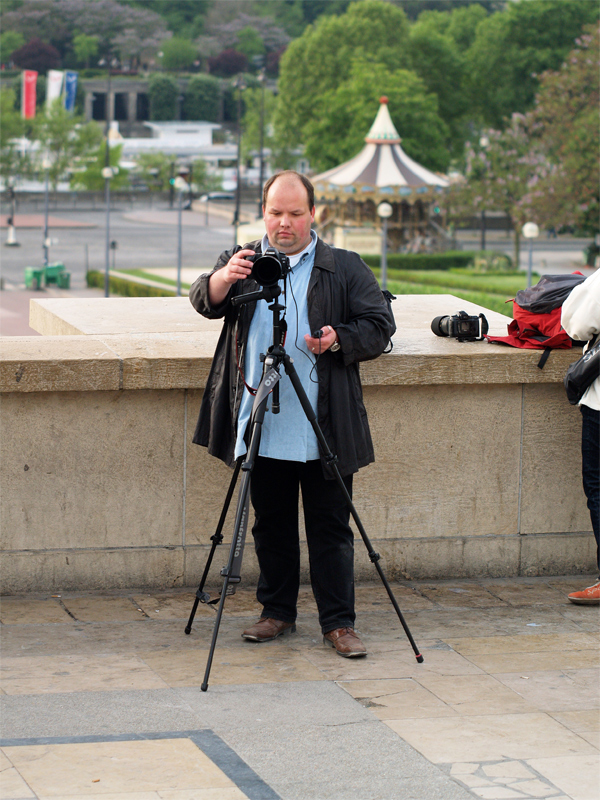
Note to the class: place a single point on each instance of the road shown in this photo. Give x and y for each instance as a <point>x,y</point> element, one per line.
<point>145,239</point>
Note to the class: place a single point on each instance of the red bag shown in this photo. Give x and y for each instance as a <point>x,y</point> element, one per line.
<point>536,316</point>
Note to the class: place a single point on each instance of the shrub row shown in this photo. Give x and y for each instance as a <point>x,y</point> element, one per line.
<point>447,260</point>
<point>124,288</point>
<point>482,261</point>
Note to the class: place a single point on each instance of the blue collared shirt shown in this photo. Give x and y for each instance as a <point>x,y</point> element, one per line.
<point>287,436</point>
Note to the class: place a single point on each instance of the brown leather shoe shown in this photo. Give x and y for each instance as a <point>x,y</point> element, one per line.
<point>266,629</point>
<point>346,642</point>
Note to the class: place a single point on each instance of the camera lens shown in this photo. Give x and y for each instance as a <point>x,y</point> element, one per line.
<point>267,270</point>
<point>441,326</point>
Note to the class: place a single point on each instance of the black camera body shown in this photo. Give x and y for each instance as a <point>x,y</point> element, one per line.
<point>461,326</point>
<point>269,267</point>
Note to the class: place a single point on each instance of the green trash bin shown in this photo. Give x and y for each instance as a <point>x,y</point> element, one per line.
<point>64,280</point>
<point>53,272</point>
<point>34,277</point>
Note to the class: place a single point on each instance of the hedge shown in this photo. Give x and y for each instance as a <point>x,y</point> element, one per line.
<point>447,260</point>
<point>120,286</point>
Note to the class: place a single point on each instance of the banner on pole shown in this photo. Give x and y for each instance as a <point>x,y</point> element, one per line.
<point>70,89</point>
<point>28,96</point>
<point>54,84</point>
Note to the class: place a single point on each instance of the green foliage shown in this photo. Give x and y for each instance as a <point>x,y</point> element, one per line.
<point>422,261</point>
<point>124,288</point>
<point>11,128</point>
<point>9,42</point>
<point>155,170</point>
<point>178,53</point>
<point>91,178</point>
<point>184,17</point>
<point>321,60</point>
<point>202,98</point>
<point>64,139</point>
<point>565,123</point>
<point>86,48</point>
<point>250,43</point>
<point>163,92</point>
<point>345,114</point>
<point>514,47</point>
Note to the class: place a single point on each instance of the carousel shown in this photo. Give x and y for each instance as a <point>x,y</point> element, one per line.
<point>354,198</point>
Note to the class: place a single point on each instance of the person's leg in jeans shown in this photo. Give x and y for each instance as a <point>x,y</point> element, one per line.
<point>274,494</point>
<point>330,546</point>
<point>590,468</point>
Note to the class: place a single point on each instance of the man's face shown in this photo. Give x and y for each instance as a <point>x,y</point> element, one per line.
<point>287,217</point>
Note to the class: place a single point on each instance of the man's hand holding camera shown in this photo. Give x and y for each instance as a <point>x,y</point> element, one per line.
<point>237,268</point>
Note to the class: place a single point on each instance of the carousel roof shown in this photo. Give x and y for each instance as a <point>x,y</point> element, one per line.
<point>381,164</point>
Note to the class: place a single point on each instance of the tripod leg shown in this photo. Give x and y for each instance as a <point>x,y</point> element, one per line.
<point>216,538</point>
<point>241,517</point>
<point>269,379</point>
<point>331,460</point>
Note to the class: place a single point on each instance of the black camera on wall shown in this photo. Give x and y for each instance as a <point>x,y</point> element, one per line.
<point>269,267</point>
<point>461,326</point>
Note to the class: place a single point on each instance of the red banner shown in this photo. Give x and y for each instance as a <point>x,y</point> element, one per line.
<point>28,94</point>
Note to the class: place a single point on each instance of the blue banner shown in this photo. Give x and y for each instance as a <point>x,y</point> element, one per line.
<point>70,89</point>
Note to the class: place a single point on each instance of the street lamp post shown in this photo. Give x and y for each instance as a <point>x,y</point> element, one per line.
<point>384,210</point>
<point>530,231</point>
<point>180,186</point>
<point>11,240</point>
<point>107,173</point>
<point>46,243</point>
<point>484,143</point>
<point>262,79</point>
<point>240,86</point>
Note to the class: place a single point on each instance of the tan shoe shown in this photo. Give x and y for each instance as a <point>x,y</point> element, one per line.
<point>267,629</point>
<point>346,642</point>
<point>587,597</point>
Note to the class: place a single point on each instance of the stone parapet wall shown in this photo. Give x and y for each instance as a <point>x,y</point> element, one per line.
<point>477,471</point>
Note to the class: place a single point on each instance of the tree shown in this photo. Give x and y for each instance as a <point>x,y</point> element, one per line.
<point>9,42</point>
<point>155,170</point>
<point>37,55</point>
<point>90,176</point>
<point>163,92</point>
<point>12,128</point>
<point>64,138</point>
<point>202,99</point>
<point>501,169</point>
<point>250,43</point>
<point>564,123</point>
<point>228,63</point>
<point>85,47</point>
<point>184,18</point>
<point>512,48</point>
<point>321,60</point>
<point>436,60</point>
<point>346,114</point>
<point>178,53</point>
<point>58,21</point>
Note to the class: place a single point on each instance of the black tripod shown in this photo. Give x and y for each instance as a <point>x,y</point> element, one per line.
<point>276,356</point>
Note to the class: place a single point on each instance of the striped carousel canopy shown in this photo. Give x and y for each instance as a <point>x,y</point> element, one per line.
<point>382,164</point>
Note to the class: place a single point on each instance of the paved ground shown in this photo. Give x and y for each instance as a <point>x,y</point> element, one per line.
<point>101,698</point>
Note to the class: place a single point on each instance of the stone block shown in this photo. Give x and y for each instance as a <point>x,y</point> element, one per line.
<point>434,475</point>
<point>59,364</point>
<point>92,470</point>
<point>552,498</point>
<point>93,569</point>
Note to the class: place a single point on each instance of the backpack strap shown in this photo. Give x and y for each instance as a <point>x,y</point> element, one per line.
<point>544,358</point>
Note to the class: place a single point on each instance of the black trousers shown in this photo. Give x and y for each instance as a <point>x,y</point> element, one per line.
<point>274,492</point>
<point>590,467</point>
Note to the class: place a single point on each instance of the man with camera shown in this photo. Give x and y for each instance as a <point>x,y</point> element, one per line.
<point>336,316</point>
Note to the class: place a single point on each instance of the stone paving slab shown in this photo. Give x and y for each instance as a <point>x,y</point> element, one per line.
<point>101,698</point>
